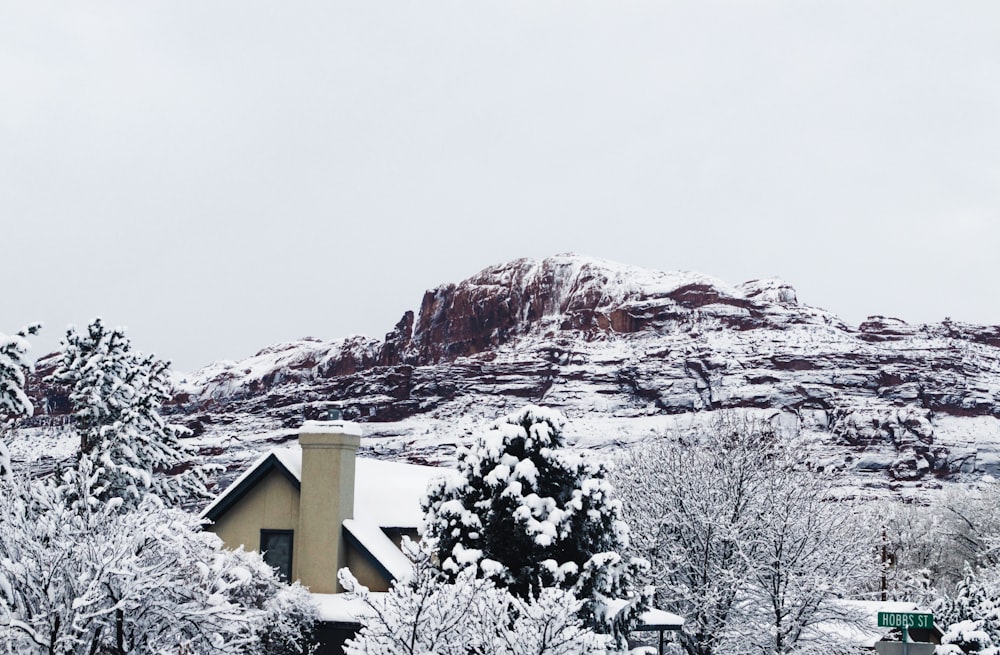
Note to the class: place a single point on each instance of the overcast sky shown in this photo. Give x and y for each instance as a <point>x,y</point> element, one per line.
<point>218,176</point>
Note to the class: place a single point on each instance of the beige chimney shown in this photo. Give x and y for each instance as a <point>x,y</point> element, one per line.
<point>326,499</point>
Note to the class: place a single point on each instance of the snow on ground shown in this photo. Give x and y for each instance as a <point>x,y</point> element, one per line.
<point>428,440</point>
<point>43,447</point>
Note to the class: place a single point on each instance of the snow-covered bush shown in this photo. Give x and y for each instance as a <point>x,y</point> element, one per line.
<point>966,637</point>
<point>549,624</point>
<point>115,395</point>
<point>285,612</point>
<point>530,515</point>
<point>465,614</point>
<point>972,613</point>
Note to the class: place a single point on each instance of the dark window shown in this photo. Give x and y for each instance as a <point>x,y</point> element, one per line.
<point>276,546</point>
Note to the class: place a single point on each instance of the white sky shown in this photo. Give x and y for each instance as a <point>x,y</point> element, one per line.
<point>218,176</point>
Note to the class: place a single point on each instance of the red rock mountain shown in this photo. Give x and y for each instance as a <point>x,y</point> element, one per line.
<point>625,353</point>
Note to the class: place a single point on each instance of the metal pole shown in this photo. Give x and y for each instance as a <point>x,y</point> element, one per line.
<point>661,642</point>
<point>906,640</point>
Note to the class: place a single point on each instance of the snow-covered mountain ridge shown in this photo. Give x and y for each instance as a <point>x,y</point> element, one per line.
<point>625,353</point>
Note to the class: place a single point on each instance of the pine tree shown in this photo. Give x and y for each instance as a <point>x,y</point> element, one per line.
<point>116,395</point>
<point>531,515</point>
<point>13,366</point>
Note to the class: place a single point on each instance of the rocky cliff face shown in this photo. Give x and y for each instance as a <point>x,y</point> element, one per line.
<point>626,353</point>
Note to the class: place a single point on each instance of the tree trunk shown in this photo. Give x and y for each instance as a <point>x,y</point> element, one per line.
<point>120,632</point>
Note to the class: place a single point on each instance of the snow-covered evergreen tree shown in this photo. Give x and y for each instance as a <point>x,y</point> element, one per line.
<point>13,366</point>
<point>465,615</point>
<point>116,395</point>
<point>966,637</point>
<point>531,515</point>
<point>91,564</point>
<point>14,402</point>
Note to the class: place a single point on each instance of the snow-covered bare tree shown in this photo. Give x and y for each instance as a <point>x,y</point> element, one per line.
<point>78,576</point>
<point>466,614</point>
<point>807,552</point>
<point>969,532</point>
<point>530,515</point>
<point>116,395</point>
<point>691,502</point>
<point>931,549</point>
<point>947,555</point>
<point>736,532</point>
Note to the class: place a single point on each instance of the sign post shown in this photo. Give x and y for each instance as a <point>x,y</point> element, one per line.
<point>904,621</point>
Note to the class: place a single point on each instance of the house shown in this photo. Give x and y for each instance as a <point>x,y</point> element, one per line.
<point>315,508</point>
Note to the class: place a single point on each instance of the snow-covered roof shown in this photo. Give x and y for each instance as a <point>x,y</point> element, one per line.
<point>370,538</point>
<point>651,619</point>
<point>386,494</point>
<point>654,619</point>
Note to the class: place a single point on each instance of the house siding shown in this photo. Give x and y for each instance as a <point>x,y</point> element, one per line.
<point>272,504</point>
<point>365,571</point>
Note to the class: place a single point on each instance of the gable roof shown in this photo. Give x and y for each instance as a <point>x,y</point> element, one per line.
<point>386,494</point>
<point>247,480</point>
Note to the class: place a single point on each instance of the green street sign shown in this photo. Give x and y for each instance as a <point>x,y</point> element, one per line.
<point>905,620</point>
